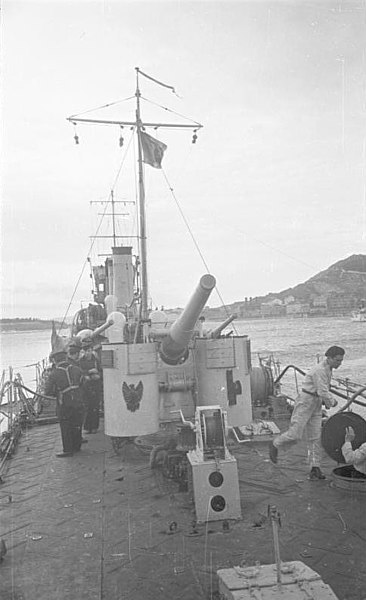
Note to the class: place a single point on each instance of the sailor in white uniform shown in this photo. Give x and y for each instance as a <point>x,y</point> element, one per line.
<point>357,457</point>
<point>307,414</point>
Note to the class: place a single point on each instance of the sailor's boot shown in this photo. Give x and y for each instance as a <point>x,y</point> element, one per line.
<point>316,473</point>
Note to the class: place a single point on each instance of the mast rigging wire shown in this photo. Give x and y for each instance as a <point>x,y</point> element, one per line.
<point>97,231</point>
<point>298,260</point>
<point>171,111</point>
<point>193,238</point>
<point>101,107</point>
<point>185,221</point>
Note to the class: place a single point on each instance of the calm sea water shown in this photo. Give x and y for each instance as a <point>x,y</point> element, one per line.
<point>295,341</point>
<point>22,349</point>
<point>291,341</point>
<point>298,341</point>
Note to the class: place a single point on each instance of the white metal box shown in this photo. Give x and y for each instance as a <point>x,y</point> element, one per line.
<point>298,582</point>
<point>215,488</point>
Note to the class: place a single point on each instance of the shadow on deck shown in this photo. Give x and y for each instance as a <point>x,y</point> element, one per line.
<point>97,526</point>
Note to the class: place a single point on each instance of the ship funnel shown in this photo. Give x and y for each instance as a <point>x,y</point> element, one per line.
<point>120,277</point>
<point>174,345</point>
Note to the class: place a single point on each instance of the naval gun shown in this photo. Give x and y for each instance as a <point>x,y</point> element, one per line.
<point>216,333</point>
<point>178,368</point>
<point>139,377</point>
<point>174,346</point>
<point>93,334</point>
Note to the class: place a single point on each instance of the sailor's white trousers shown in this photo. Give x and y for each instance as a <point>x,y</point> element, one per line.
<point>306,423</point>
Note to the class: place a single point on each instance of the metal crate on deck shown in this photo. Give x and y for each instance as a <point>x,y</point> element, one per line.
<point>298,582</point>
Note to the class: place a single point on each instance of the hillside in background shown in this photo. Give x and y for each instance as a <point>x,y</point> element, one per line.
<point>346,276</point>
<point>338,290</point>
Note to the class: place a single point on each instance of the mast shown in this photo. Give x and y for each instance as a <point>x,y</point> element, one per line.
<point>143,252</point>
<point>113,218</point>
<point>140,126</point>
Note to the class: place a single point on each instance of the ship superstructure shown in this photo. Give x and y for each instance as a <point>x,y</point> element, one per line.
<point>153,368</point>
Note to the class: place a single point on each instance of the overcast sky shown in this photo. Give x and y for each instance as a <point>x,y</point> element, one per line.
<point>274,189</point>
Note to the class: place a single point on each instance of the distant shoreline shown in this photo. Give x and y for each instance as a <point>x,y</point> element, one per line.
<point>7,325</point>
<point>27,325</point>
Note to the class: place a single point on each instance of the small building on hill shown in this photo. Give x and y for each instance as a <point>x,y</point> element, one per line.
<point>298,309</point>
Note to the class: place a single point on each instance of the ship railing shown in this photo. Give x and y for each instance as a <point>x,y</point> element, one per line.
<point>343,388</point>
<point>18,401</point>
<point>352,400</point>
<point>19,406</point>
<point>295,371</point>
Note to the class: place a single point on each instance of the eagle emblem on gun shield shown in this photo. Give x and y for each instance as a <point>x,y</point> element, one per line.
<point>132,395</point>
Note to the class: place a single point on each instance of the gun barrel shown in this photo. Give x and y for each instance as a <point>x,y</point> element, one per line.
<point>102,328</point>
<point>215,333</point>
<point>175,343</point>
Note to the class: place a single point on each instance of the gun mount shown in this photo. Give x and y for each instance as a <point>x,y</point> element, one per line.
<point>173,348</point>
<point>179,368</point>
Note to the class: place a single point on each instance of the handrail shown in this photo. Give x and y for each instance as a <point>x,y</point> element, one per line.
<point>18,408</point>
<point>14,403</point>
<point>294,367</point>
<point>352,399</point>
<point>332,388</point>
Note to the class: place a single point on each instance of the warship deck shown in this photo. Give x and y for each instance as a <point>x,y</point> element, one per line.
<point>102,526</point>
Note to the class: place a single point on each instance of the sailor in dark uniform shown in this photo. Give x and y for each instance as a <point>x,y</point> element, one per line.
<point>73,351</point>
<point>64,383</point>
<point>91,385</point>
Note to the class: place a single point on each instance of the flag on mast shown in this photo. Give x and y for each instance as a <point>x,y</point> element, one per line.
<point>153,150</point>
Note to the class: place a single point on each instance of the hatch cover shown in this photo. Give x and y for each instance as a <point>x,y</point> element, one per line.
<point>334,429</point>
